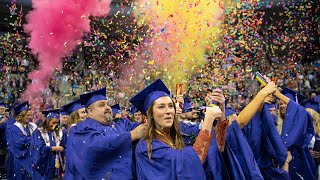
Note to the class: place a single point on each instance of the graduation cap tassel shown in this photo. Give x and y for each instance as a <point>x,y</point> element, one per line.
<point>297,98</point>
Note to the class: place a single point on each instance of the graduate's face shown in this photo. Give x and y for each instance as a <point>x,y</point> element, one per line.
<point>192,114</point>
<point>54,122</point>
<point>282,107</point>
<point>2,110</point>
<point>28,117</point>
<point>100,111</point>
<point>137,117</point>
<point>64,119</point>
<point>163,112</point>
<point>82,113</point>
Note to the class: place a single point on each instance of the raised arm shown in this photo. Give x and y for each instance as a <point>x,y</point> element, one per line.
<point>249,111</point>
<point>202,144</point>
<point>282,97</point>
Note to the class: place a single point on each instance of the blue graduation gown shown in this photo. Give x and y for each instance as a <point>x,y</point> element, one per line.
<point>97,151</point>
<point>43,158</point>
<point>267,147</point>
<point>239,146</point>
<point>167,163</point>
<point>19,162</point>
<point>297,132</point>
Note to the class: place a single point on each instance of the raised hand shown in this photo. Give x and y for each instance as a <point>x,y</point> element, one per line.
<point>139,132</point>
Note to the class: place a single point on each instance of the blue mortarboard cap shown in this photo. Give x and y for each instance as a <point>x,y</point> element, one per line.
<point>63,113</point>
<point>2,105</point>
<point>311,104</point>
<point>144,99</point>
<point>133,110</point>
<point>229,112</point>
<point>293,95</point>
<point>21,107</point>
<point>115,109</point>
<point>73,106</point>
<point>186,100</point>
<point>89,98</point>
<point>186,105</point>
<point>50,114</point>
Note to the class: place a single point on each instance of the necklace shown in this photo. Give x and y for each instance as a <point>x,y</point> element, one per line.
<point>167,141</point>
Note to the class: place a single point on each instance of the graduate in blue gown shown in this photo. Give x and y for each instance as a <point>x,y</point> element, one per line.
<point>238,158</point>
<point>19,139</point>
<point>47,142</point>
<point>99,148</point>
<point>266,144</point>
<point>161,154</point>
<point>296,129</point>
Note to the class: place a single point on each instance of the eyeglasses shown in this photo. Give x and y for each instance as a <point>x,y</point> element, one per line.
<point>189,110</point>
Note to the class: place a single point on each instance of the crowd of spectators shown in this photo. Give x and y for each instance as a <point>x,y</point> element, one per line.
<point>251,42</point>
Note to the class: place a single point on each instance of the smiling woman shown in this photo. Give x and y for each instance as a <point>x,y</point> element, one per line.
<point>162,153</point>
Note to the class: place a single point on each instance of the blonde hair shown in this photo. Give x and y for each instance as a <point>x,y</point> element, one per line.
<point>74,118</point>
<point>151,133</point>
<point>279,124</point>
<point>316,119</point>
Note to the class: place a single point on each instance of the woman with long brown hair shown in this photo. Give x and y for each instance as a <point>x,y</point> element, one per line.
<point>48,141</point>
<point>19,137</point>
<point>161,153</point>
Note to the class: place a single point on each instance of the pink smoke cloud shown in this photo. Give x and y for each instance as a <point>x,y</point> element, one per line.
<point>55,28</point>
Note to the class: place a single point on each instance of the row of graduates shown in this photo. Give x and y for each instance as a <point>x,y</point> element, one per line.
<point>222,146</point>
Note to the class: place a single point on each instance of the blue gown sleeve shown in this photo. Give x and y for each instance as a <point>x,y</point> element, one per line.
<point>19,143</point>
<point>252,131</point>
<point>130,125</point>
<point>294,127</point>
<point>273,145</point>
<point>310,131</point>
<point>214,165</point>
<point>239,146</point>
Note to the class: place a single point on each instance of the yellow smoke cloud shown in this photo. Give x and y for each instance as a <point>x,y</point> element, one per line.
<point>182,31</point>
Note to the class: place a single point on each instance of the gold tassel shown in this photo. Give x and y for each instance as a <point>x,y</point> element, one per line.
<point>57,164</point>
